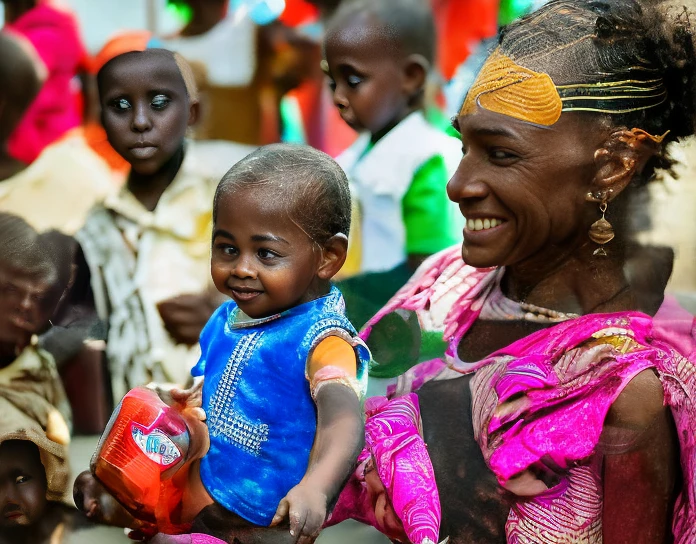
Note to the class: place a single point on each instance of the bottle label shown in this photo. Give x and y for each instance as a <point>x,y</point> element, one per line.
<point>156,445</point>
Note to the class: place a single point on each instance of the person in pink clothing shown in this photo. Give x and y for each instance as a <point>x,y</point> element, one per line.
<point>55,35</point>
<point>558,389</point>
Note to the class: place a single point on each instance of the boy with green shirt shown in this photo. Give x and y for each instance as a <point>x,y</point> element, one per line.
<point>378,56</point>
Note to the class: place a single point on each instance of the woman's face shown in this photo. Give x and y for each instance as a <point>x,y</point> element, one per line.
<point>523,187</point>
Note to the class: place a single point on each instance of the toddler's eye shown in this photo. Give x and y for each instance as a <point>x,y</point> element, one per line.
<point>121,104</point>
<point>229,250</point>
<point>353,81</point>
<point>160,102</point>
<point>22,479</point>
<point>226,249</point>
<point>332,85</point>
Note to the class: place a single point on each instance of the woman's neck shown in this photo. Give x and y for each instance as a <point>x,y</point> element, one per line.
<point>148,189</point>
<point>573,281</point>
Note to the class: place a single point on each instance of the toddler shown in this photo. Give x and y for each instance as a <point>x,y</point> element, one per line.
<point>283,369</point>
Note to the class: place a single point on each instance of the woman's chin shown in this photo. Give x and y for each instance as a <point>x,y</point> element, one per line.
<point>480,257</point>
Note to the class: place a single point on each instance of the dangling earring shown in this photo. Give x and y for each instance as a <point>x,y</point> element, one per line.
<point>601,232</point>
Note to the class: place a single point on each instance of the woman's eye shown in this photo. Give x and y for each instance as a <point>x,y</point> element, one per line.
<point>22,479</point>
<point>160,102</point>
<point>500,155</point>
<point>353,81</point>
<point>267,254</point>
<point>121,104</point>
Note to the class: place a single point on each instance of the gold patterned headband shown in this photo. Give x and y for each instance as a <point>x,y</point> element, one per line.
<point>507,88</point>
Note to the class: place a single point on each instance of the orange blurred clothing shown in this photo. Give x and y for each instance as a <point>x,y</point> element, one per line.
<point>461,25</point>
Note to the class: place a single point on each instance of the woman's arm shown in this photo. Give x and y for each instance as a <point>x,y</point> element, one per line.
<point>339,439</point>
<point>641,465</point>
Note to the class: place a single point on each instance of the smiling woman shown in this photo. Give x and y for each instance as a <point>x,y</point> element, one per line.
<point>557,328</point>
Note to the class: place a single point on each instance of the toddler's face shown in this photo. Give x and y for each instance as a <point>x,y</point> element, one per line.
<point>145,110</point>
<point>366,77</point>
<point>260,256</point>
<point>22,485</point>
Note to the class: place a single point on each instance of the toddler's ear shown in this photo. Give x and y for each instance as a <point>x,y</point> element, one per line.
<point>334,254</point>
<point>416,68</point>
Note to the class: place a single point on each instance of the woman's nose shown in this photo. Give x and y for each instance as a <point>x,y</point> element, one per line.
<point>465,184</point>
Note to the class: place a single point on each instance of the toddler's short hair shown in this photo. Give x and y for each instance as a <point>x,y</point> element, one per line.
<point>311,184</point>
<point>409,24</point>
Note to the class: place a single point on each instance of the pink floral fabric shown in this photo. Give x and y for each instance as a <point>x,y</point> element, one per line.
<point>539,405</point>
<point>394,443</point>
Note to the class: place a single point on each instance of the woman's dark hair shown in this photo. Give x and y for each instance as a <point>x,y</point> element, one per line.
<point>311,185</point>
<point>590,41</point>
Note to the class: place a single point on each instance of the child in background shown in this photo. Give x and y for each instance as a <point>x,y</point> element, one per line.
<point>59,188</point>
<point>54,34</point>
<point>148,248</point>
<point>378,57</point>
<point>34,414</point>
<point>283,371</point>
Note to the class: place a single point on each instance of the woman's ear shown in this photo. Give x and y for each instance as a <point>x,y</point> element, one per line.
<point>622,156</point>
<point>334,253</point>
<point>415,71</point>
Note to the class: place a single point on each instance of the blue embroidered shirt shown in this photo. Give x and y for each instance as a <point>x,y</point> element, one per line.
<point>260,413</point>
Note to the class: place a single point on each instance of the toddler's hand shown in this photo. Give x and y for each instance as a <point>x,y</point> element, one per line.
<point>193,397</point>
<point>190,398</point>
<point>307,511</point>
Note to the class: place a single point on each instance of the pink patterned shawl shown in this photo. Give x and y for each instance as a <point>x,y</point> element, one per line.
<point>542,401</point>
<point>393,442</point>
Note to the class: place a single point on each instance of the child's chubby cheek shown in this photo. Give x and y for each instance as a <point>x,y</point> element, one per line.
<point>387,520</point>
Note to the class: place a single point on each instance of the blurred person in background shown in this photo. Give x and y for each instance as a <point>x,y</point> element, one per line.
<point>35,418</point>
<point>378,58</point>
<point>55,35</point>
<point>59,188</point>
<point>148,248</point>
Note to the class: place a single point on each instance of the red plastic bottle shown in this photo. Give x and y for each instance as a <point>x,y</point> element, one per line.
<point>145,443</point>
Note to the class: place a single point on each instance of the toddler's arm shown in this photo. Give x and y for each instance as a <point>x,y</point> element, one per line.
<point>338,441</point>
